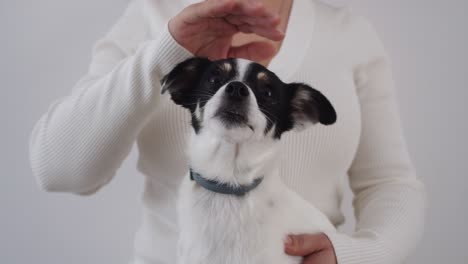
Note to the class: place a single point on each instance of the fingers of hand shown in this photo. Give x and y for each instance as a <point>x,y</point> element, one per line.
<point>253,21</point>
<point>221,26</point>
<point>303,245</point>
<point>247,16</point>
<point>252,8</point>
<point>255,51</point>
<point>221,8</point>
<point>267,32</point>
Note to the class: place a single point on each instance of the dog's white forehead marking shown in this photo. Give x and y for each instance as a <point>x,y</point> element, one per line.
<point>242,66</point>
<point>198,111</point>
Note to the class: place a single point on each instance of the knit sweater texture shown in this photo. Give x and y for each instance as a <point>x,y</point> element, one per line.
<point>81,141</point>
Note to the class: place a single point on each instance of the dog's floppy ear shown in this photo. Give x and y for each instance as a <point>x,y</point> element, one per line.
<point>183,80</point>
<point>310,106</point>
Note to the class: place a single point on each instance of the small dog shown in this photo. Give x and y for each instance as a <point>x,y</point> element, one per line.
<point>234,208</point>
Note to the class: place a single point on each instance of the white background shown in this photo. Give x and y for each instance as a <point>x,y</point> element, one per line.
<point>45,48</point>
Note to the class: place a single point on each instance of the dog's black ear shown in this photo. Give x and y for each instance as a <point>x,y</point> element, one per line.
<point>310,106</point>
<point>183,80</point>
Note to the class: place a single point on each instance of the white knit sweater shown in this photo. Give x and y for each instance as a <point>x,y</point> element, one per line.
<point>81,141</point>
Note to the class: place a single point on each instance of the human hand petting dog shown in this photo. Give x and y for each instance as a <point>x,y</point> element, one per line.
<point>206,29</point>
<point>315,248</point>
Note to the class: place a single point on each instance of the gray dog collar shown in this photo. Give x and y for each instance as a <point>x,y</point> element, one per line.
<point>224,188</point>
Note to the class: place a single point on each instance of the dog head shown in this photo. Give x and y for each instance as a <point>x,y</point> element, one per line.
<point>241,100</point>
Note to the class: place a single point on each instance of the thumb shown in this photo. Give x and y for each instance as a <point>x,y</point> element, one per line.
<point>303,245</point>
<point>255,51</point>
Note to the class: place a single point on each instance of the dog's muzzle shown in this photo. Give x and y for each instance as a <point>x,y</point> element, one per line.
<point>233,109</point>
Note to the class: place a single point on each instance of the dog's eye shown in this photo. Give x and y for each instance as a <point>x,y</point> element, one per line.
<point>215,80</point>
<point>267,91</point>
<point>216,72</point>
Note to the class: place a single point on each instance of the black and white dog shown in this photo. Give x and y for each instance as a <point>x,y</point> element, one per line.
<point>234,208</point>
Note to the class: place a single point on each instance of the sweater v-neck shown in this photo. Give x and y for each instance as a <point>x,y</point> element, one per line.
<point>299,31</point>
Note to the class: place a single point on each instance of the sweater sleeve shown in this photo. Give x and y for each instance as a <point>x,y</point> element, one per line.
<point>389,200</point>
<point>80,142</point>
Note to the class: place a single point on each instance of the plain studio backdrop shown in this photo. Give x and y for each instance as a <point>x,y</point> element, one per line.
<point>45,48</point>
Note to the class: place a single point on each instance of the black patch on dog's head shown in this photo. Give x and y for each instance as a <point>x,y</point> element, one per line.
<point>193,82</point>
<point>285,106</point>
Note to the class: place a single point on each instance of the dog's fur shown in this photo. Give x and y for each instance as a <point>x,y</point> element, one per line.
<point>239,112</point>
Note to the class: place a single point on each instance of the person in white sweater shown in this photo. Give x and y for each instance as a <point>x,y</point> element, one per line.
<point>80,142</point>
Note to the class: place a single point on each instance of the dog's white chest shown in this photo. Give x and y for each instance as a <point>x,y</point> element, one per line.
<point>226,229</point>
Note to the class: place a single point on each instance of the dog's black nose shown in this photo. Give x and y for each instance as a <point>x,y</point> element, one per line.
<point>237,90</point>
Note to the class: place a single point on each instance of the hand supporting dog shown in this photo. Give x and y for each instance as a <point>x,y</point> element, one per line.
<point>314,248</point>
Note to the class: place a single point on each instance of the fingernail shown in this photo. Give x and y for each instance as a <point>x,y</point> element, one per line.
<point>288,241</point>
